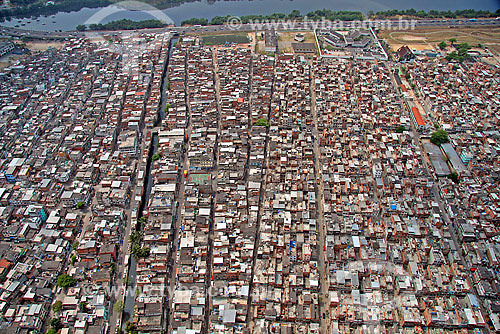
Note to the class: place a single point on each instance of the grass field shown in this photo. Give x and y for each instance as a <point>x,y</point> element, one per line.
<point>428,38</point>
<point>225,39</point>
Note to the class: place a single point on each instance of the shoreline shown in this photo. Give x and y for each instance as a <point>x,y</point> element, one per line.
<point>29,34</point>
<point>366,15</point>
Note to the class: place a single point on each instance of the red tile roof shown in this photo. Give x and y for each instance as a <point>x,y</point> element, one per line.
<point>418,117</point>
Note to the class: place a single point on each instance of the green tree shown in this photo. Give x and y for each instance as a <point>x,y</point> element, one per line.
<point>454,177</point>
<point>156,156</point>
<point>126,24</point>
<point>460,54</point>
<point>135,249</point>
<point>145,252</point>
<point>442,45</point>
<point>463,13</point>
<point>167,107</point>
<point>73,259</point>
<point>80,205</point>
<point>57,306</point>
<point>439,137</point>
<point>452,56</point>
<point>195,21</point>
<point>52,331</point>
<point>294,14</point>
<point>140,252</point>
<point>400,129</point>
<point>81,27</point>
<point>83,306</point>
<point>135,237</point>
<point>262,122</point>
<point>65,281</point>
<point>462,49</point>
<point>55,323</point>
<point>119,306</point>
<point>75,245</point>
<point>452,40</point>
<point>131,328</point>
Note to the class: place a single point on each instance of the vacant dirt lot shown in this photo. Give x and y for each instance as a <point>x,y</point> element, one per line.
<point>428,38</point>
<point>42,46</point>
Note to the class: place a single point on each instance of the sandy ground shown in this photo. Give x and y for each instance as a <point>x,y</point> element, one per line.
<point>253,39</point>
<point>42,46</point>
<point>428,38</point>
<point>260,47</point>
<point>8,60</point>
<point>412,38</point>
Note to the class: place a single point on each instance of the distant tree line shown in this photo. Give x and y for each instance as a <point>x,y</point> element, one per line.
<point>28,8</point>
<point>331,15</point>
<point>294,15</point>
<point>22,2</point>
<point>461,13</point>
<point>124,24</point>
<point>195,21</point>
<point>335,16</point>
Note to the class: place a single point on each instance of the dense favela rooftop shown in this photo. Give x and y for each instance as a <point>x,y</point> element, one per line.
<point>183,188</point>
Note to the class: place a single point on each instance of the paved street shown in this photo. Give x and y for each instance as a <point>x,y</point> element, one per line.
<point>16,32</point>
<point>250,318</point>
<point>437,196</point>
<point>323,259</point>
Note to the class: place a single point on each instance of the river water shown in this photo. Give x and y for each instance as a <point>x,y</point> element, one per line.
<point>205,9</point>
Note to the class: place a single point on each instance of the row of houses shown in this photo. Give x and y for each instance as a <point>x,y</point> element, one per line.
<point>248,249</point>
<point>99,251</point>
<point>61,154</point>
<point>190,299</point>
<point>392,260</point>
<point>286,282</point>
<point>151,271</point>
<point>461,99</point>
<point>46,171</point>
